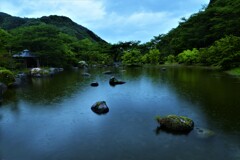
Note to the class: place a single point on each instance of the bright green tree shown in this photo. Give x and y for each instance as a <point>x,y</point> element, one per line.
<point>131,57</point>
<point>189,56</point>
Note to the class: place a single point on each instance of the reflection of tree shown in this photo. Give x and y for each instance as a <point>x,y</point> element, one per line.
<point>52,89</point>
<point>11,100</point>
<point>217,94</point>
<point>133,72</point>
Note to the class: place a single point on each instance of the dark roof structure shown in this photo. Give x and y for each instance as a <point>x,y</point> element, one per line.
<point>24,54</point>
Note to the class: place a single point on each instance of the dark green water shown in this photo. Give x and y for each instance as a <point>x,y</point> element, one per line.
<point>51,119</point>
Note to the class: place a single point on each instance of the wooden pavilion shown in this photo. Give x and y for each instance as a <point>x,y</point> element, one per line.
<point>27,58</point>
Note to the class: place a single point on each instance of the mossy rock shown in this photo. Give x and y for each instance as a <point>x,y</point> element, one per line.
<point>175,123</point>
<point>7,77</point>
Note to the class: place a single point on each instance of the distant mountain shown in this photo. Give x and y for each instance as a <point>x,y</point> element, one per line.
<point>64,24</point>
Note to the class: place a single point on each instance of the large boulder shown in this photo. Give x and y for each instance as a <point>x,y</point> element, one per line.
<point>113,81</point>
<point>174,123</point>
<point>100,107</point>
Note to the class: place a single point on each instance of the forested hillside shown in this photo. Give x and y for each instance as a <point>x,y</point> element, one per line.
<point>202,29</point>
<point>64,24</point>
<point>209,37</point>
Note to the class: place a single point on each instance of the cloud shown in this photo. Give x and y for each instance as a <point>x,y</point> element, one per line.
<point>82,11</point>
<point>136,26</point>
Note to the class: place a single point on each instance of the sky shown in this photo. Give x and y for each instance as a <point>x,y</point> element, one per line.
<point>112,20</point>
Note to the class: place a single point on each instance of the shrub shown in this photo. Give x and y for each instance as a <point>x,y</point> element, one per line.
<point>6,77</point>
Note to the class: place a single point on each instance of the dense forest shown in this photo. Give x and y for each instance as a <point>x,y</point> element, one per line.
<point>210,37</point>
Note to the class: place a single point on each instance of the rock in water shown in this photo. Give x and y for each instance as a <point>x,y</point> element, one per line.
<point>100,107</point>
<point>85,74</point>
<point>174,123</point>
<point>94,84</point>
<point>82,64</point>
<point>107,72</point>
<point>204,133</point>
<point>113,81</point>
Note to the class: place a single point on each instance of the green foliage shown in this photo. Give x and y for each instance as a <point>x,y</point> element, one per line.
<point>91,52</point>
<point>67,26</point>
<point>189,56</point>
<point>224,52</point>
<point>234,71</point>
<point>117,50</point>
<point>6,77</point>
<point>152,57</point>
<point>201,29</point>
<point>170,59</point>
<point>4,38</point>
<point>45,41</point>
<point>7,61</point>
<point>57,40</point>
<point>131,57</point>
<point>63,24</point>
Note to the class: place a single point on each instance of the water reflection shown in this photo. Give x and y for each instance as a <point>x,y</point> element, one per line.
<point>217,94</point>
<point>51,118</point>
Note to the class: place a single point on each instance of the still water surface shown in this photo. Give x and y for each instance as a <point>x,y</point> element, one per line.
<point>51,119</point>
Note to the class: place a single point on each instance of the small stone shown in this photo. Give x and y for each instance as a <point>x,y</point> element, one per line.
<point>204,133</point>
<point>94,84</point>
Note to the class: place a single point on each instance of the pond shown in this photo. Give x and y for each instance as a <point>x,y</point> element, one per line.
<point>51,118</point>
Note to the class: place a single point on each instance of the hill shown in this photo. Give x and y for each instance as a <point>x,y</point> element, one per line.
<point>56,40</point>
<point>210,37</point>
<point>64,24</point>
<point>217,20</point>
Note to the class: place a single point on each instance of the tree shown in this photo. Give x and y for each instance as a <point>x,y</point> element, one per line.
<point>224,52</point>
<point>152,57</point>
<point>189,56</point>
<point>131,57</point>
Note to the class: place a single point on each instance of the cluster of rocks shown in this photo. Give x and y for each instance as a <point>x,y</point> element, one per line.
<point>171,124</point>
<point>43,72</point>
<point>112,82</point>
<point>19,78</point>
